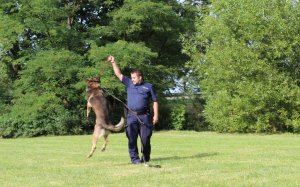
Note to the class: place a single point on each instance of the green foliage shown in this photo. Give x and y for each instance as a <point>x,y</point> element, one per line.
<point>243,55</point>
<point>52,71</point>
<point>43,94</point>
<point>194,117</point>
<point>35,115</point>
<point>136,16</point>
<point>5,85</point>
<point>48,48</point>
<point>10,33</point>
<point>183,113</point>
<point>129,56</point>
<point>178,116</point>
<point>158,25</point>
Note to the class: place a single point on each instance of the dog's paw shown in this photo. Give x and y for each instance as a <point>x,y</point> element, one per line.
<point>92,152</point>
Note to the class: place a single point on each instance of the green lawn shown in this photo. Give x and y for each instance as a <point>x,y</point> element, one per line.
<point>187,159</point>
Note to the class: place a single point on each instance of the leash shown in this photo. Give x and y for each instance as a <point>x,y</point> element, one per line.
<point>132,112</point>
<point>125,105</point>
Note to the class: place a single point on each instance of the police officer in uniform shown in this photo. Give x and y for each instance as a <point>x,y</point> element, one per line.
<point>139,94</point>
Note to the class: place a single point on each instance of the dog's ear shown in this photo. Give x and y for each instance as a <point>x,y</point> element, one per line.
<point>94,79</point>
<point>87,80</point>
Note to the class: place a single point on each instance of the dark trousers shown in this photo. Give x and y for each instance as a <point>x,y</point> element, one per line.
<point>133,130</point>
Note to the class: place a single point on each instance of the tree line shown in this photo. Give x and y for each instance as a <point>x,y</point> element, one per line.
<point>242,56</point>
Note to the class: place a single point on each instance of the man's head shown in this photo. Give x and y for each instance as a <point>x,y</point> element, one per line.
<point>136,77</point>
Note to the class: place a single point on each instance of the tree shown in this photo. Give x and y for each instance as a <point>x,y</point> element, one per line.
<point>43,44</point>
<point>246,56</point>
<point>157,24</point>
<point>8,42</point>
<point>49,48</point>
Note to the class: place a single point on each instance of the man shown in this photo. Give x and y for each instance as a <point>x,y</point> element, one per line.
<point>139,94</point>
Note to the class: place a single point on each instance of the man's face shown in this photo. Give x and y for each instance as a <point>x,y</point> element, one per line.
<point>136,79</point>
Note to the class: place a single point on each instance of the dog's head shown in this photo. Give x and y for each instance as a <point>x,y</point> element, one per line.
<point>92,83</point>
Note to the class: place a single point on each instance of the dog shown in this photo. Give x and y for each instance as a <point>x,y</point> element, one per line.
<point>96,100</point>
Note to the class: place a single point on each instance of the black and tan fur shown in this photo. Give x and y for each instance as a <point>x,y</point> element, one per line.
<point>97,101</point>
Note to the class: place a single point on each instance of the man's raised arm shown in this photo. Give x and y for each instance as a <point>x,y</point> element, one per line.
<point>116,68</point>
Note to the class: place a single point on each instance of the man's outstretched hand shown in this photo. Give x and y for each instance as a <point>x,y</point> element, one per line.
<point>111,59</point>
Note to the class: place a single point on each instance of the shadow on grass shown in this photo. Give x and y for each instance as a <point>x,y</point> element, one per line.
<point>200,155</point>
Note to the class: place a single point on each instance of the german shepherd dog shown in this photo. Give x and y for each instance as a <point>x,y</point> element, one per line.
<point>97,101</point>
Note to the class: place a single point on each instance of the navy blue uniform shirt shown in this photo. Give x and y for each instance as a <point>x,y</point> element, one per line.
<point>139,96</point>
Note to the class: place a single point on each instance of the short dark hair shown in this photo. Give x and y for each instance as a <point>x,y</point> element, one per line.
<point>138,72</point>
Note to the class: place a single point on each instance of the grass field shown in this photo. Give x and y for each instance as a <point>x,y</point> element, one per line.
<point>187,159</point>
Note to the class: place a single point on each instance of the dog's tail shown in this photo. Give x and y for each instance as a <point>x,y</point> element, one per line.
<point>117,127</point>
<point>120,125</point>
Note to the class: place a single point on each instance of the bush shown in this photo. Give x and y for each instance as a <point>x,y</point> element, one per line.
<point>194,117</point>
<point>256,107</point>
<point>182,114</point>
<point>43,115</point>
<point>178,116</point>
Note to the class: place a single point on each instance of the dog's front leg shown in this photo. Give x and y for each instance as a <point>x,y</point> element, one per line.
<point>95,139</point>
<point>88,108</point>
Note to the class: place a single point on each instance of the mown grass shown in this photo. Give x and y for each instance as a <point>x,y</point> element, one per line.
<point>187,159</point>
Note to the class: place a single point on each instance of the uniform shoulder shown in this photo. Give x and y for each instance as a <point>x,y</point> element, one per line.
<point>148,85</point>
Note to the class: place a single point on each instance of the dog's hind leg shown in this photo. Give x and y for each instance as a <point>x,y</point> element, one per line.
<point>105,136</point>
<point>95,139</point>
